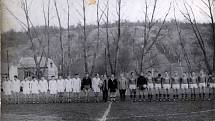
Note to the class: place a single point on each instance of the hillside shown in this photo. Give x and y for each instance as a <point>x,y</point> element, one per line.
<point>164,55</point>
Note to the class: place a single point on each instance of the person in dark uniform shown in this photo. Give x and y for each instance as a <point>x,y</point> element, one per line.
<point>141,85</point>
<point>105,88</point>
<point>112,85</point>
<point>158,80</point>
<point>86,86</point>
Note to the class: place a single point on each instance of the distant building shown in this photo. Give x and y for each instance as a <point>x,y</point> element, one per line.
<point>27,68</point>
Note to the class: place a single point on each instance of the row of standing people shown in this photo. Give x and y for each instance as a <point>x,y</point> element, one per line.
<point>144,83</point>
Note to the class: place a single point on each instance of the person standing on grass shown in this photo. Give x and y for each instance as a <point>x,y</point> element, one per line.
<point>76,87</point>
<point>16,84</point>
<point>158,80</point>
<point>43,87</point>
<point>166,85</point>
<point>202,80</point>
<point>68,83</point>
<point>175,85</point>
<point>96,87</point>
<point>193,85</point>
<point>122,85</point>
<point>211,81</point>
<point>141,85</point>
<point>150,85</point>
<point>105,88</point>
<point>184,85</point>
<point>35,90</point>
<point>6,83</point>
<point>61,88</point>
<point>53,88</point>
<point>86,86</point>
<point>112,85</point>
<point>26,89</point>
<point>132,86</point>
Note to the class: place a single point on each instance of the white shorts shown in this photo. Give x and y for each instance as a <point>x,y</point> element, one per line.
<point>184,86</point>
<point>212,85</point>
<point>176,86</point>
<point>193,86</point>
<point>166,86</point>
<point>202,85</point>
<point>157,86</point>
<point>150,85</point>
<point>132,86</point>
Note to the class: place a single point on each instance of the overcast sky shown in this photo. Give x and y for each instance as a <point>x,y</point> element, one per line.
<point>132,10</point>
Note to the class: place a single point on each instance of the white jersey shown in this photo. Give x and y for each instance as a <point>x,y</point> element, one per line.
<point>7,87</point>
<point>60,85</point>
<point>16,85</point>
<point>26,87</point>
<point>96,82</point>
<point>53,86</point>
<point>43,85</point>
<point>76,84</point>
<point>68,85</point>
<point>35,87</point>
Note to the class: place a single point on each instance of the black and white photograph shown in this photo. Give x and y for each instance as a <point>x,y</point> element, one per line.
<point>107,60</point>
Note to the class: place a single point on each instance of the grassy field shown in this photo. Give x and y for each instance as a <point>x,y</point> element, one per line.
<point>118,111</point>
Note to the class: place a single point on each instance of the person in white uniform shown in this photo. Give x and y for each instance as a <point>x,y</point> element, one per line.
<point>7,89</point>
<point>76,87</point>
<point>68,83</point>
<point>43,88</point>
<point>60,88</point>
<point>53,88</point>
<point>16,84</point>
<point>96,86</point>
<point>26,89</point>
<point>35,90</point>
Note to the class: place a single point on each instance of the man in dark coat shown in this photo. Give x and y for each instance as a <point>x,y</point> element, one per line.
<point>112,85</point>
<point>86,86</point>
<point>141,85</point>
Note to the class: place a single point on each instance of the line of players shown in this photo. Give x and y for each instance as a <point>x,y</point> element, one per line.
<point>147,86</point>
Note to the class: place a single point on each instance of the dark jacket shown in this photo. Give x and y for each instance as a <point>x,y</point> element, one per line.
<point>86,81</point>
<point>112,85</point>
<point>141,80</point>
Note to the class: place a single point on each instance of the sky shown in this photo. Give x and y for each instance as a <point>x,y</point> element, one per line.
<point>132,10</point>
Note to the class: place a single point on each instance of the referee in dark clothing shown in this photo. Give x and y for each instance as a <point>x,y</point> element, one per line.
<point>86,86</point>
<point>141,85</point>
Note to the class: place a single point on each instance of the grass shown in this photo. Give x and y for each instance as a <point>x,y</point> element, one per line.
<point>120,111</point>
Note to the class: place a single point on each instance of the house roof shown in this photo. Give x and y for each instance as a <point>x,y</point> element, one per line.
<point>27,62</point>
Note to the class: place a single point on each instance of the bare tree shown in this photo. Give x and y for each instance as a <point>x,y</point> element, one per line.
<point>148,25</point>
<point>60,38</point>
<point>119,5</point>
<point>190,17</point>
<point>85,37</point>
<point>47,25</point>
<point>182,44</point>
<point>69,38</point>
<point>106,21</point>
